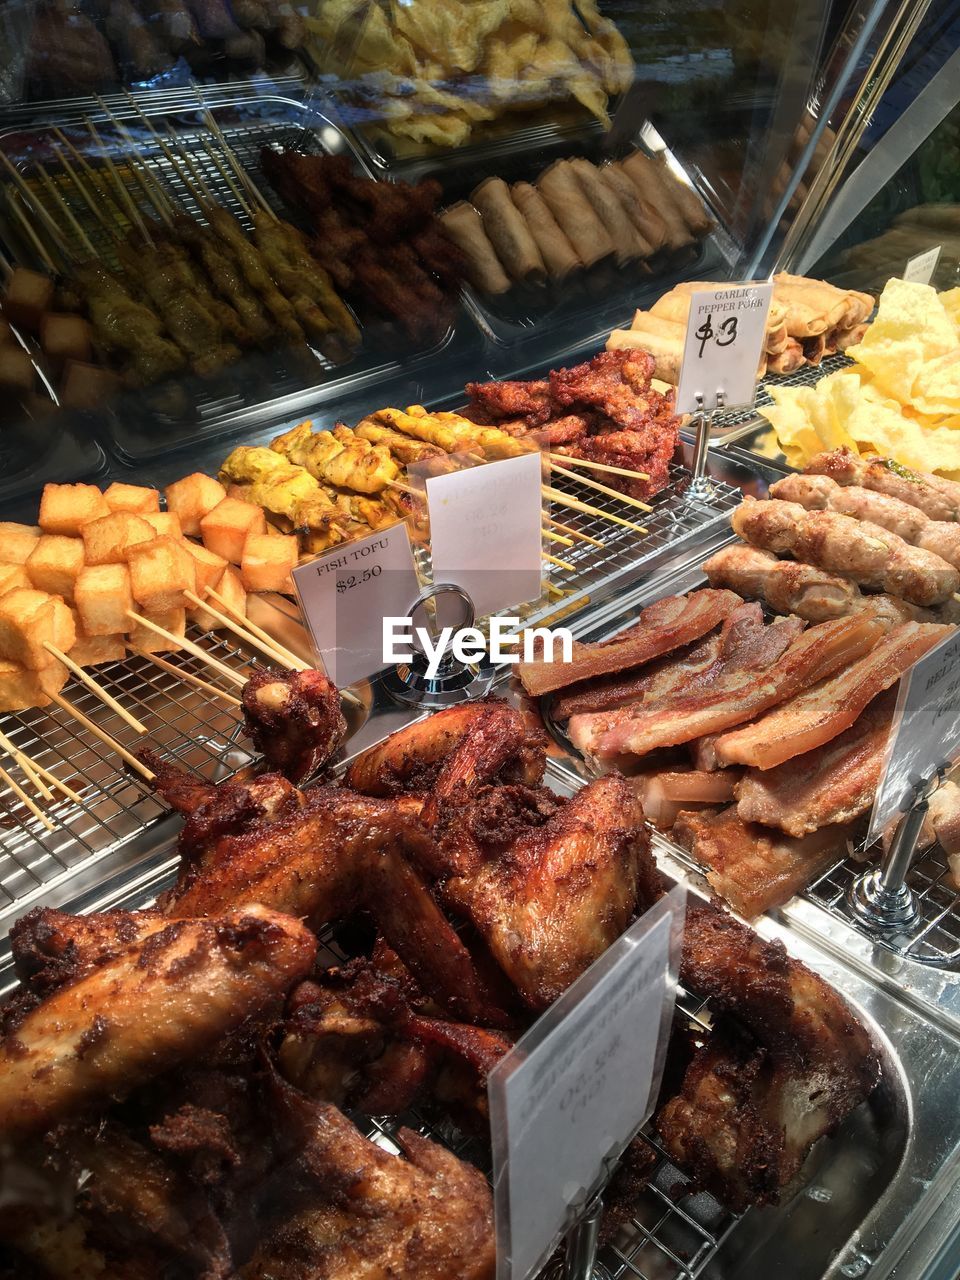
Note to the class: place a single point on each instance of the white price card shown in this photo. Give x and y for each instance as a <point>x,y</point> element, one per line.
<point>574,1090</point>
<point>485,531</point>
<point>347,592</point>
<point>925,733</point>
<point>726,333</point>
<point>919,270</point>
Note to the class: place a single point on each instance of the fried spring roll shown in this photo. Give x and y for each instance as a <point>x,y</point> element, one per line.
<point>651,228</point>
<point>464,226</point>
<point>508,232</point>
<point>557,252</point>
<point>691,206</point>
<point>788,360</point>
<point>627,242</point>
<point>648,177</point>
<point>577,217</point>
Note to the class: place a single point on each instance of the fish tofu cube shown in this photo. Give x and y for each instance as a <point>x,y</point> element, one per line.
<point>94,651</point>
<point>31,619</point>
<point>135,499</point>
<point>54,563</point>
<point>13,576</point>
<point>28,295</point>
<point>210,566</point>
<point>66,508</point>
<point>160,573</point>
<point>226,528</point>
<point>172,620</point>
<point>231,588</point>
<point>109,539</point>
<point>103,598</point>
<point>21,688</point>
<point>267,562</point>
<point>164,524</point>
<point>192,497</point>
<point>17,541</point>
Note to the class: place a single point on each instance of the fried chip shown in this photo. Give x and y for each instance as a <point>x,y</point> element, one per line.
<point>936,388</point>
<point>910,329</point>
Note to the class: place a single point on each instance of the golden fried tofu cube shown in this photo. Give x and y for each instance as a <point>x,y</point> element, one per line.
<point>17,541</point>
<point>135,499</point>
<point>28,295</point>
<point>160,572</point>
<point>231,588</point>
<point>210,566</point>
<point>94,651</point>
<point>103,599</point>
<point>54,563</point>
<point>21,688</point>
<point>66,508</point>
<point>192,497</point>
<point>226,528</point>
<point>172,620</point>
<point>87,386</point>
<point>29,620</point>
<point>65,337</point>
<point>109,539</point>
<point>165,524</point>
<point>17,371</point>
<point>13,576</point>
<point>267,561</point>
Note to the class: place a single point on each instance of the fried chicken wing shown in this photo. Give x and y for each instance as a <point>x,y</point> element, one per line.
<point>159,1001</point>
<point>294,719</point>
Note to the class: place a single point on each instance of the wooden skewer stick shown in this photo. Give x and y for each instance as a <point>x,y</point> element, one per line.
<point>54,781</point>
<point>94,687</point>
<point>238,629</point>
<point>30,200</point>
<point>290,659</point>
<point>213,125</point>
<point>189,677</point>
<point>105,738</point>
<point>27,227</point>
<point>27,765</point>
<point>131,209</point>
<point>151,188</point>
<point>596,466</point>
<point>51,187</point>
<point>95,181</point>
<point>405,488</point>
<point>557,537</point>
<point>19,792</point>
<point>575,533</point>
<point>576,505</point>
<point>561,564</point>
<point>182,642</point>
<point>603,488</point>
<point>225,174</point>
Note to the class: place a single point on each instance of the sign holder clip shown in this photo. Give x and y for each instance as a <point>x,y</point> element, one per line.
<point>410,683</point>
<point>701,486</point>
<point>880,898</point>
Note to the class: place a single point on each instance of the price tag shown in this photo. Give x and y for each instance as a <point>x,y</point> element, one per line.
<point>347,592</point>
<point>572,1093</point>
<point>919,270</point>
<point>925,733</point>
<point>726,332</point>
<point>485,531</point>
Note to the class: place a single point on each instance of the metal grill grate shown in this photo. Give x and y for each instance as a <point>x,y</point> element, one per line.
<point>184,724</point>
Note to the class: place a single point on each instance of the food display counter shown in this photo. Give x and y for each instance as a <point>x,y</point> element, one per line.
<point>272,270</point>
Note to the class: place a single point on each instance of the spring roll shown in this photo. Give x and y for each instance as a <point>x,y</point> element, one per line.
<point>508,232</point>
<point>777,338</point>
<point>813,306</point>
<point>629,246</point>
<point>788,360</point>
<point>647,177</point>
<point>850,337</point>
<point>464,226</point>
<point>814,349</point>
<point>650,226</point>
<point>691,206</point>
<point>573,211</point>
<point>557,252</point>
<point>855,306</point>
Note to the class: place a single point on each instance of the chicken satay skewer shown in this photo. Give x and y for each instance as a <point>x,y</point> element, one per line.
<point>127,200</point>
<point>25,800</point>
<point>203,685</point>
<point>103,737</point>
<point>95,688</point>
<point>51,188</point>
<point>27,765</point>
<point>214,663</point>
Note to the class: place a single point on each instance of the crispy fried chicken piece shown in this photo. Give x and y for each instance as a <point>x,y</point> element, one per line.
<point>341,851</point>
<point>749,1112</point>
<point>615,382</point>
<point>455,748</point>
<point>366,1213</point>
<point>294,719</point>
<point>548,885</point>
<point>158,1002</point>
<point>530,402</point>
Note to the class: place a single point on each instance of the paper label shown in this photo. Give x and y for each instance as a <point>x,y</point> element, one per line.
<point>572,1093</point>
<point>485,531</point>
<point>925,733</point>
<point>347,592</point>
<point>919,270</point>
<point>726,332</point>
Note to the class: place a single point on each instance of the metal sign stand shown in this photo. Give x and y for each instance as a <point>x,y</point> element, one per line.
<point>701,486</point>
<point>454,682</point>
<point>580,1246</point>
<point>880,898</point>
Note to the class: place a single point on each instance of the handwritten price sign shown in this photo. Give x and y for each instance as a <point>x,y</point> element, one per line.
<point>726,332</point>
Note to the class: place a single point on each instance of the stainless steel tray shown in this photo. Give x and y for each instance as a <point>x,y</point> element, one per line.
<point>262,389</point>
<point>861,1202</point>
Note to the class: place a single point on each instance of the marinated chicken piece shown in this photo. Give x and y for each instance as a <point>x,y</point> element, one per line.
<point>294,719</point>
<point>548,885</point>
<point>161,1001</point>
<point>615,382</point>
<point>855,549</point>
<point>455,748</point>
<point>802,589</point>
<point>749,1113</point>
<point>530,402</point>
<point>365,1214</point>
<point>338,457</point>
<point>938,498</point>
<point>820,493</point>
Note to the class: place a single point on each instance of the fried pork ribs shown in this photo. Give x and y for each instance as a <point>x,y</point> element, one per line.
<point>172,1078</point>
<point>294,719</point>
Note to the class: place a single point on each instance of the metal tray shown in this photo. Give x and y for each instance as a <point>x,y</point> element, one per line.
<point>861,1201</point>
<point>261,389</point>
